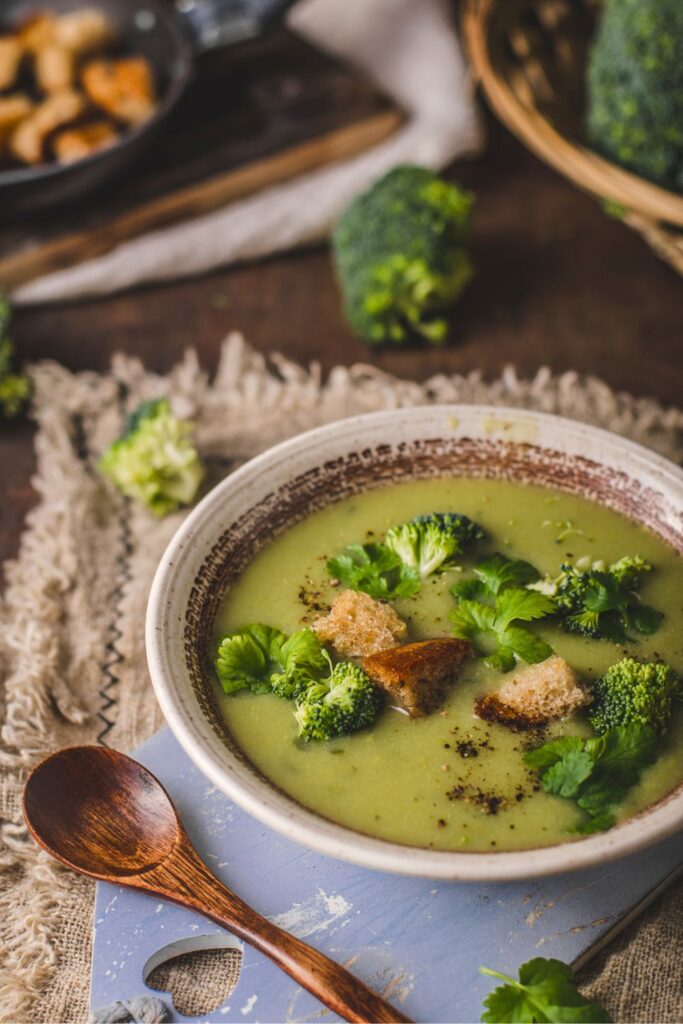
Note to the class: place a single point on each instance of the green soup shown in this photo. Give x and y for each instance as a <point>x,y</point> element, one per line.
<point>447,781</point>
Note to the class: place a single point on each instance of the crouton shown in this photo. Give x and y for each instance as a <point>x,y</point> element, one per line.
<point>75,143</point>
<point>535,696</point>
<point>37,31</point>
<point>54,68</point>
<point>11,52</point>
<point>13,110</point>
<point>83,30</point>
<point>358,625</point>
<point>28,139</point>
<point>417,676</point>
<point>123,88</point>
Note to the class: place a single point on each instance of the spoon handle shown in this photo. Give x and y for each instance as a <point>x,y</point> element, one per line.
<point>189,882</point>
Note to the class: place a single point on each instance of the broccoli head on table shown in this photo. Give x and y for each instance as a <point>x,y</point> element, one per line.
<point>400,256</point>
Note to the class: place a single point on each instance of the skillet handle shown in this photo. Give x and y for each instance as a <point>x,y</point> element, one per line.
<point>213,24</point>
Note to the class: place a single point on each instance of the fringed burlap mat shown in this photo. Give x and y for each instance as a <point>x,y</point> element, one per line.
<point>71,625</point>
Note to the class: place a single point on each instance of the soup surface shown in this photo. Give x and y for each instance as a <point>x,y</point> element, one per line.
<point>449,780</point>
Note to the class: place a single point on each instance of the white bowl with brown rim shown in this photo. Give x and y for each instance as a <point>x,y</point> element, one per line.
<point>286,483</point>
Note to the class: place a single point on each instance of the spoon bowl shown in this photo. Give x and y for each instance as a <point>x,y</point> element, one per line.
<point>104,815</point>
<point>100,812</point>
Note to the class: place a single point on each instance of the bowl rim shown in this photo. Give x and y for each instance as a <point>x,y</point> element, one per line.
<point>264,801</point>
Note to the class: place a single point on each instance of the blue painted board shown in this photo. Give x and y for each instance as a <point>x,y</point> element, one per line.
<point>420,942</point>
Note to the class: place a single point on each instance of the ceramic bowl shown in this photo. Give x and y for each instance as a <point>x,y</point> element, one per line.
<point>285,484</point>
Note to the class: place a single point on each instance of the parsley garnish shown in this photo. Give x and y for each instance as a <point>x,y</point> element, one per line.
<point>601,603</point>
<point>376,570</point>
<point>491,605</point>
<point>258,657</point>
<point>596,773</point>
<point>545,992</point>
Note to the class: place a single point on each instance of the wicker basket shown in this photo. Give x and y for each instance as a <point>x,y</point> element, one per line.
<point>530,58</point>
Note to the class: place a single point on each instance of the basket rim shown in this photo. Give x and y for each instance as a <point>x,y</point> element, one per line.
<point>590,171</point>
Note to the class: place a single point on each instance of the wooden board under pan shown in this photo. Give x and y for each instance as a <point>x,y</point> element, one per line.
<point>253,117</point>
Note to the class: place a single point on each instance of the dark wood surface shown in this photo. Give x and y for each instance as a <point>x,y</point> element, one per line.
<point>558,284</point>
<point>105,815</point>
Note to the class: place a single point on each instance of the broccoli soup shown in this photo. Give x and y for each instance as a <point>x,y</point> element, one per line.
<point>459,664</point>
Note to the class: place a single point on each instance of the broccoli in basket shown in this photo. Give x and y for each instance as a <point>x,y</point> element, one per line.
<point>155,460</point>
<point>635,88</point>
<point>400,256</point>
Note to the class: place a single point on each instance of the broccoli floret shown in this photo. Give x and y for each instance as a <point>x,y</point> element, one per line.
<point>635,88</point>
<point>14,387</point>
<point>601,603</point>
<point>634,692</point>
<point>155,460</point>
<point>343,703</point>
<point>429,543</point>
<point>400,256</point>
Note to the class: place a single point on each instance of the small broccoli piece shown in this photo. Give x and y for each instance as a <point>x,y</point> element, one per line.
<point>430,543</point>
<point>635,692</point>
<point>14,387</point>
<point>155,460</point>
<point>601,603</point>
<point>343,703</point>
<point>635,88</point>
<point>399,251</point>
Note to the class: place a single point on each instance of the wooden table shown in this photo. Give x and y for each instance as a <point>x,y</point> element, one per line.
<point>558,284</point>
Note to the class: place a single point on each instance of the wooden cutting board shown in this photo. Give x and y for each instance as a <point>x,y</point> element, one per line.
<point>253,116</point>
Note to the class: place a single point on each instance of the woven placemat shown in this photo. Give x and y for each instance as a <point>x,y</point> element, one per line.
<point>71,637</point>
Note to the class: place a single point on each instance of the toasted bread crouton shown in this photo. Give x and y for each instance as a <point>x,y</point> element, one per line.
<point>29,137</point>
<point>54,68</point>
<point>417,676</point>
<point>75,143</point>
<point>358,625</point>
<point>13,110</point>
<point>83,30</point>
<point>37,31</point>
<point>123,88</point>
<point>11,52</point>
<point>535,696</point>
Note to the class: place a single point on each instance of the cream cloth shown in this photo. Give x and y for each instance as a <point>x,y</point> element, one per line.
<point>72,657</point>
<point>410,49</point>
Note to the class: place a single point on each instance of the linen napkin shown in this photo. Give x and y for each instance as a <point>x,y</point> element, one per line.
<point>410,49</point>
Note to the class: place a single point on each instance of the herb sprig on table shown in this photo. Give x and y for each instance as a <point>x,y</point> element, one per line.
<point>597,772</point>
<point>491,606</point>
<point>544,992</point>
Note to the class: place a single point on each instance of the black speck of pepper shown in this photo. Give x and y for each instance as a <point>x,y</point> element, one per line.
<point>441,822</point>
<point>447,746</point>
<point>467,749</point>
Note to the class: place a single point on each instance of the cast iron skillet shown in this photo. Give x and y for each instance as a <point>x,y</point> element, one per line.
<point>170,35</point>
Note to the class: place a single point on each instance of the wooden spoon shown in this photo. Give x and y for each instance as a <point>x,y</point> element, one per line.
<point>104,815</point>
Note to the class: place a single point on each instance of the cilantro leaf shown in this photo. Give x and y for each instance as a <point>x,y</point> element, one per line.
<point>475,620</point>
<point>242,663</point>
<point>545,992</point>
<point>597,773</point>
<point>376,570</point>
<point>258,657</point>
<point>565,777</point>
<point>499,573</point>
<point>601,602</point>
<point>525,605</point>
<point>553,751</point>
